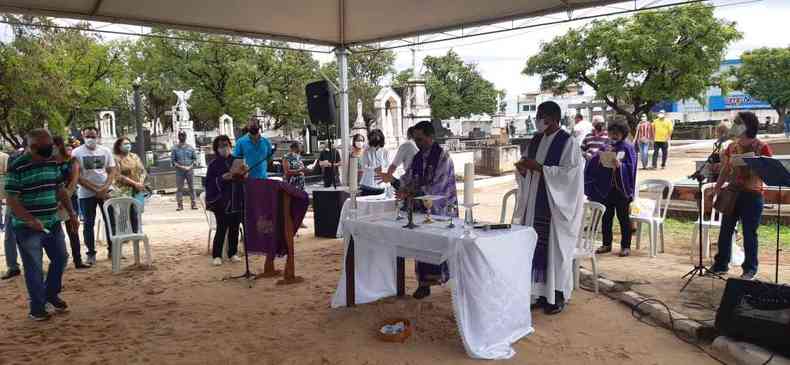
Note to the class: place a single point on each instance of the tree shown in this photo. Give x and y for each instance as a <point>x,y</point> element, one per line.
<point>764,76</point>
<point>401,78</point>
<point>635,62</point>
<point>457,89</point>
<point>366,71</point>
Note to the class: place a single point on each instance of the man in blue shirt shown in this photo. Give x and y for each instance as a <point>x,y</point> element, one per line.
<point>184,158</point>
<point>255,149</point>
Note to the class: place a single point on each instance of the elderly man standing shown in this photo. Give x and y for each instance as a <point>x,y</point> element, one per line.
<point>183,157</point>
<point>551,186</point>
<point>34,185</point>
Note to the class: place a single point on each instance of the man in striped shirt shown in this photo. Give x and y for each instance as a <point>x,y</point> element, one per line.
<point>643,139</point>
<point>34,187</point>
<point>596,140</point>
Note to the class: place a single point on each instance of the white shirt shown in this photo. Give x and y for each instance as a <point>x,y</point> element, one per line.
<point>405,155</point>
<point>581,130</point>
<point>372,159</point>
<point>93,167</point>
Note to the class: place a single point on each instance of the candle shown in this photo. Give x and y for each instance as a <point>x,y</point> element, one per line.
<point>353,184</point>
<point>469,183</point>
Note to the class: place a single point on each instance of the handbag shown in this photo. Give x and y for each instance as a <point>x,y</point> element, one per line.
<point>725,201</point>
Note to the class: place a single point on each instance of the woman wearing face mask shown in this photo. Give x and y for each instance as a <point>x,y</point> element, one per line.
<point>374,161</point>
<point>614,187</point>
<point>294,166</point>
<point>744,191</point>
<point>357,150</point>
<point>131,176</point>
<point>71,174</point>
<point>219,195</point>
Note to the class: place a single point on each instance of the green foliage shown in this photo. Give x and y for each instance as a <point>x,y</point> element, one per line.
<point>457,89</point>
<point>635,62</point>
<point>764,75</point>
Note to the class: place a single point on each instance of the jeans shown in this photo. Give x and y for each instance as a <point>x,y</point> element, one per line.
<point>644,149</point>
<point>227,225</point>
<point>90,205</point>
<point>787,127</point>
<point>749,211</point>
<point>31,244</point>
<point>664,148</point>
<point>187,177</point>
<point>9,245</point>
<point>616,202</point>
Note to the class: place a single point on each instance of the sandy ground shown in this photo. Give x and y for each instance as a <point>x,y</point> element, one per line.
<point>181,312</point>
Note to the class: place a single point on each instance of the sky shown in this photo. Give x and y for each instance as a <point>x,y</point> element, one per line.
<point>501,57</point>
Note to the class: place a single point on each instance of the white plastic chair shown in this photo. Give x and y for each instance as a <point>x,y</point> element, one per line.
<point>210,219</point>
<point>585,248</point>
<point>662,191</point>
<point>124,232</point>
<point>713,221</point>
<point>503,216</point>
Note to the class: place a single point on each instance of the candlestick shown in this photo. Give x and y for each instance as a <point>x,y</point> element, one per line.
<point>353,184</point>
<point>469,183</point>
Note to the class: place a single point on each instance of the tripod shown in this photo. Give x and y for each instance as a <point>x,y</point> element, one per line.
<point>700,269</point>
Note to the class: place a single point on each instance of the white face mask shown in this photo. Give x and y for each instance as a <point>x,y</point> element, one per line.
<point>738,130</point>
<point>540,125</point>
<point>358,144</point>
<point>90,142</point>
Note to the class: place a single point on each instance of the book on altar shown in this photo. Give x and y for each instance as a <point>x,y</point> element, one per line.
<point>737,160</point>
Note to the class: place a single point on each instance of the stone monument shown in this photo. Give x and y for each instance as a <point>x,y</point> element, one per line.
<point>226,127</point>
<point>181,118</point>
<point>106,126</point>
<point>359,124</point>
<point>389,117</point>
<point>416,98</point>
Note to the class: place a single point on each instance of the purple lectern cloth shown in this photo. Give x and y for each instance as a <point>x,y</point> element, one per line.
<point>264,225</point>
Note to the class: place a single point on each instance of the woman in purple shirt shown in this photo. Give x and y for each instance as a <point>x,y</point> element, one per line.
<point>614,188</point>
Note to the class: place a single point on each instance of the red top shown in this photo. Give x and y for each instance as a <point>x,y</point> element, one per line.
<point>742,176</point>
<point>644,132</point>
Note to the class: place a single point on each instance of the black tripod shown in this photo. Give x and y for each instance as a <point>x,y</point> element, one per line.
<point>700,269</point>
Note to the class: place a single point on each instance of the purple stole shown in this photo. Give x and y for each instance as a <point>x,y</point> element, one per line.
<point>542,220</point>
<point>424,174</point>
<point>264,221</point>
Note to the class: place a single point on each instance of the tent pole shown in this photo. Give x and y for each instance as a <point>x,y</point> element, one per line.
<point>342,62</point>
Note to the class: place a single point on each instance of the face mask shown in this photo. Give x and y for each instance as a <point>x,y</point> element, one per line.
<point>540,125</point>
<point>738,130</point>
<point>254,130</point>
<point>90,142</point>
<point>126,147</point>
<point>224,151</point>
<point>359,144</point>
<point>45,151</point>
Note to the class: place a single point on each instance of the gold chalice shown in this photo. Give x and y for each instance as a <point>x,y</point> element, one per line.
<point>428,204</point>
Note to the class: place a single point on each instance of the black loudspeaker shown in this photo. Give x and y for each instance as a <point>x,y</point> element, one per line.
<point>327,205</point>
<point>756,312</point>
<point>320,103</point>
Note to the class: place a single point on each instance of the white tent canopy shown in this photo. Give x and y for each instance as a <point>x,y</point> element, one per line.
<point>324,22</point>
<point>338,23</point>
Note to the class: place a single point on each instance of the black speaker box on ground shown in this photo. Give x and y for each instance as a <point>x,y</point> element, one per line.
<point>327,205</point>
<point>320,103</point>
<point>756,312</point>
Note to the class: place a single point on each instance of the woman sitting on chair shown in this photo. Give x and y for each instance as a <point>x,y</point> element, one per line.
<point>613,187</point>
<point>219,193</point>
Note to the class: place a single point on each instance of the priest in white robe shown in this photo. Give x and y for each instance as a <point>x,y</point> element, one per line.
<point>550,179</point>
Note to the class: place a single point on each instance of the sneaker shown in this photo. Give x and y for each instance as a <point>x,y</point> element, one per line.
<point>603,249</point>
<point>625,252</point>
<point>58,305</point>
<point>179,209</point>
<point>91,260</point>
<point>194,206</point>
<point>217,261</point>
<point>39,317</point>
<point>718,271</point>
<point>235,258</point>
<point>749,275</point>
<point>422,292</point>
<point>10,274</point>
<point>80,265</point>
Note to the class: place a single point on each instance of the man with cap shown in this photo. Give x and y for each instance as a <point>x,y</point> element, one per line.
<point>184,158</point>
<point>662,134</point>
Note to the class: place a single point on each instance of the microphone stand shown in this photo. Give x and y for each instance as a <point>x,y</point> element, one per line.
<point>700,269</point>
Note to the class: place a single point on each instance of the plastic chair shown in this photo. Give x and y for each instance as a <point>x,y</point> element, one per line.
<point>585,248</point>
<point>124,232</point>
<point>662,190</point>
<point>210,219</point>
<point>503,215</point>
<point>713,221</point>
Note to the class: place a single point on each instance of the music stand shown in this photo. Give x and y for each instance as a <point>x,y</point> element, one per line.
<point>773,173</point>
